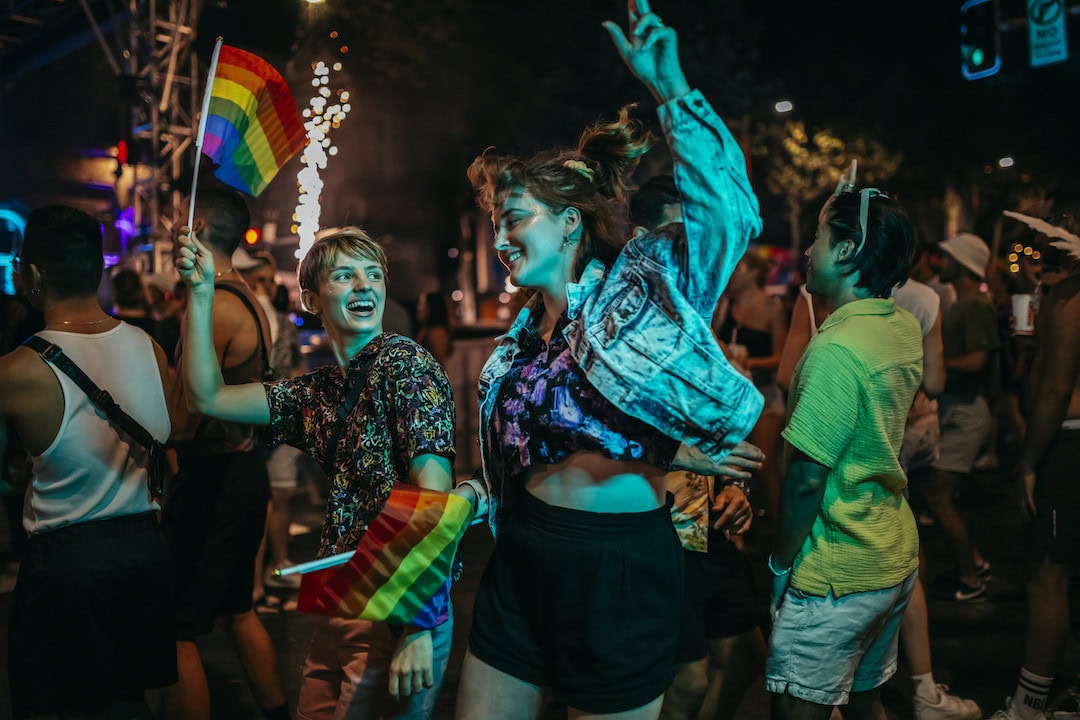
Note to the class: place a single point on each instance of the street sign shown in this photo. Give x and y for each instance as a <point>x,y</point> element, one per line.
<point>1047,41</point>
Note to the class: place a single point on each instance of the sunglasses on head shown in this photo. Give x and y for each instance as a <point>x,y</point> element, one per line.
<point>864,210</point>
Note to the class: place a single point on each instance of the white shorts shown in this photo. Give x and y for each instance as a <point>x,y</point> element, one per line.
<point>823,648</point>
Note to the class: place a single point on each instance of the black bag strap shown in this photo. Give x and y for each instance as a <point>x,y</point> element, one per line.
<point>352,396</point>
<point>267,371</point>
<point>54,355</point>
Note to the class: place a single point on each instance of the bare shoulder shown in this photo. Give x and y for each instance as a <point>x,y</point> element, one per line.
<point>23,374</point>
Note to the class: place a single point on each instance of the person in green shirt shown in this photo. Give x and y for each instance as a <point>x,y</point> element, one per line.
<point>846,551</point>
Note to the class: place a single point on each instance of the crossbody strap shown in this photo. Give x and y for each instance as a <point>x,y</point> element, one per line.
<point>54,355</point>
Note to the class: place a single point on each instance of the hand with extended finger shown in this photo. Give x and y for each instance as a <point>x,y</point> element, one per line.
<point>650,51</point>
<point>194,263</point>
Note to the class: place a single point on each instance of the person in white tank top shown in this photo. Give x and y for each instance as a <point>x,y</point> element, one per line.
<point>95,551</point>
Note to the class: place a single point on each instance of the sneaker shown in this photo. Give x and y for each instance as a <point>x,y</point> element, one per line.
<point>1006,713</point>
<point>984,571</point>
<point>282,581</point>
<point>948,707</point>
<point>956,590</point>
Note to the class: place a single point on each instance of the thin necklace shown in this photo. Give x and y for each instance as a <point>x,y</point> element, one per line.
<point>79,322</point>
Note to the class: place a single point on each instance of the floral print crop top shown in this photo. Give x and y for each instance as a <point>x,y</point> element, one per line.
<point>546,409</point>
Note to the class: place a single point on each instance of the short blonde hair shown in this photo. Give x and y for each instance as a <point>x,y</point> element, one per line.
<point>319,260</point>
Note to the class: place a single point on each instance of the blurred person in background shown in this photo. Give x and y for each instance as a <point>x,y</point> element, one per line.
<point>721,649</point>
<point>969,332</point>
<point>436,329</point>
<point>130,303</point>
<point>752,327</point>
<point>260,273</point>
<point>1049,491</point>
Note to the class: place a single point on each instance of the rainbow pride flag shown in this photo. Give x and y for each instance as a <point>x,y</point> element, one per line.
<point>400,573</point>
<point>252,124</point>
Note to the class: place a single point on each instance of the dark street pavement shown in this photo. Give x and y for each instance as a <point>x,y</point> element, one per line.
<point>977,647</point>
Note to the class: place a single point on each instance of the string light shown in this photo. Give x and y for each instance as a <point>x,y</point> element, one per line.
<point>319,120</point>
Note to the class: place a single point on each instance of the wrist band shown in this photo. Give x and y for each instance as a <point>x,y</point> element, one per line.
<point>774,571</point>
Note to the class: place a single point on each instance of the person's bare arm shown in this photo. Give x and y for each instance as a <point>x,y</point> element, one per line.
<point>795,342</point>
<point>933,378</point>
<point>206,340</point>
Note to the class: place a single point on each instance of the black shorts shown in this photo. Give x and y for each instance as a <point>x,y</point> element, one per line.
<point>1055,531</point>
<point>214,519</point>
<point>720,600</point>
<point>91,617</point>
<point>583,603</point>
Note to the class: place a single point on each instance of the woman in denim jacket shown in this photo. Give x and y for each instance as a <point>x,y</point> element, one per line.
<point>585,401</point>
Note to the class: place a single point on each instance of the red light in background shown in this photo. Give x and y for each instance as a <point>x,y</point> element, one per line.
<point>122,152</point>
<point>252,236</point>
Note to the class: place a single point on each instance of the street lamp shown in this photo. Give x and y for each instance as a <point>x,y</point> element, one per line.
<point>1006,162</point>
<point>784,106</point>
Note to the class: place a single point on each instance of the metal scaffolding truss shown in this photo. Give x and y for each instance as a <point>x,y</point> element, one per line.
<point>148,45</point>
<point>166,73</point>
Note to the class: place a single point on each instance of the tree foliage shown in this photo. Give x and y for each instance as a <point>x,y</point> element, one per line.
<point>802,166</point>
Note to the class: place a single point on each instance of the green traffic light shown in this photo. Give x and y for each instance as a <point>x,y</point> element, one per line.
<point>977,57</point>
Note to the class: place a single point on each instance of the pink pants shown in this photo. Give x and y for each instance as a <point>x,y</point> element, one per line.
<point>346,673</point>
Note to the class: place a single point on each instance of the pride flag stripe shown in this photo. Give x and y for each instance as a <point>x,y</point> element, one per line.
<point>253,125</point>
<point>401,570</point>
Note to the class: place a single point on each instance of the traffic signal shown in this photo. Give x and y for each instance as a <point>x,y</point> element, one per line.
<point>980,39</point>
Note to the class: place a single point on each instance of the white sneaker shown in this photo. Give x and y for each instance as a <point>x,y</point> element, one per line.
<point>1006,713</point>
<point>282,581</point>
<point>948,707</point>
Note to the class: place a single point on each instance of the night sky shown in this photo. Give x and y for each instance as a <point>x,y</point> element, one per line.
<point>451,78</point>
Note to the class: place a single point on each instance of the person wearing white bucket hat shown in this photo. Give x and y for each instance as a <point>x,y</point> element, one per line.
<point>970,338</point>
<point>970,251</point>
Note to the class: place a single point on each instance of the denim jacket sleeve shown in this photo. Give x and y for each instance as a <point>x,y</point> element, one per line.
<point>719,208</point>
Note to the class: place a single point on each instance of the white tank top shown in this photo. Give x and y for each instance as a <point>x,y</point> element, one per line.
<point>92,470</point>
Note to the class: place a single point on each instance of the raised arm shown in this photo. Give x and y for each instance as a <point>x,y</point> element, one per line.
<point>206,390</point>
<point>719,208</point>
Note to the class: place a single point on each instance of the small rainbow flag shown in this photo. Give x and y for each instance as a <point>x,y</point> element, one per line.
<point>250,125</point>
<point>400,573</point>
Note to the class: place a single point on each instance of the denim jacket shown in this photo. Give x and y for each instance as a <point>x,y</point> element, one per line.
<point>641,329</point>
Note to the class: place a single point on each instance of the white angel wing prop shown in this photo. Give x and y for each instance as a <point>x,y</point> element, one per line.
<point>1068,242</point>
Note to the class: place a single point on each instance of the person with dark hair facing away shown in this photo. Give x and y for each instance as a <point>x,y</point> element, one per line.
<point>92,616</point>
<point>216,509</point>
<point>383,414</point>
<point>583,404</point>
<point>720,649</point>
<point>845,556</point>
<point>129,300</point>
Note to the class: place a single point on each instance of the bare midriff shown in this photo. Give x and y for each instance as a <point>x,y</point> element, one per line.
<point>590,481</point>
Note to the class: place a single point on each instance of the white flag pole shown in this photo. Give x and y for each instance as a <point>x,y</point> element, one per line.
<point>202,130</point>
<point>320,564</point>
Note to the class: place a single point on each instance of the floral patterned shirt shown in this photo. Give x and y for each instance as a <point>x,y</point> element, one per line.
<point>547,409</point>
<point>406,409</point>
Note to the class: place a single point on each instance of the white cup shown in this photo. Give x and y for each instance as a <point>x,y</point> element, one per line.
<point>1023,314</point>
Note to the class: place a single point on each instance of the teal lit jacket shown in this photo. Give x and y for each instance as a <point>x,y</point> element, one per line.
<point>641,329</point>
